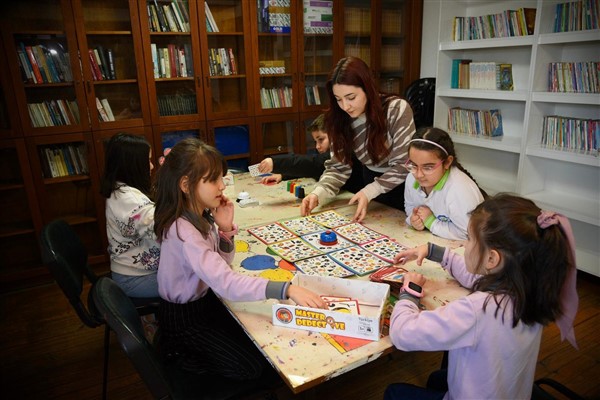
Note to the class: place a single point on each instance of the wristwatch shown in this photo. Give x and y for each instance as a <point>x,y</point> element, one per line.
<point>412,288</point>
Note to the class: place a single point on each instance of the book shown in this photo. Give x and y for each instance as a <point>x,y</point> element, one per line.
<point>211,24</point>
<point>496,123</point>
<point>505,78</point>
<point>102,115</point>
<point>108,110</point>
<point>37,75</point>
<point>279,16</point>
<point>454,73</point>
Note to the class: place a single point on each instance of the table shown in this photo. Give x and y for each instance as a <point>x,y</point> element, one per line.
<point>275,202</point>
<point>302,358</point>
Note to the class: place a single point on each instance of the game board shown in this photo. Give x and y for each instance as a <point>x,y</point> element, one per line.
<point>358,250</point>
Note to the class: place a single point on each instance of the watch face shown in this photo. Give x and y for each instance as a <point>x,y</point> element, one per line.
<point>415,287</point>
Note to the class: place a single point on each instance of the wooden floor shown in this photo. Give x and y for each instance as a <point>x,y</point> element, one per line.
<point>47,353</point>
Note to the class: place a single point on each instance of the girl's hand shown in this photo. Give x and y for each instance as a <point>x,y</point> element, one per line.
<point>424,212</point>
<point>305,298</point>
<point>308,204</point>
<point>223,214</point>
<point>361,209</point>
<point>266,165</point>
<point>416,253</point>
<point>265,180</point>
<point>416,221</point>
<point>415,277</point>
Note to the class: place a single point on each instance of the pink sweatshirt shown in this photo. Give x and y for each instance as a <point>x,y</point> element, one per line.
<point>488,358</point>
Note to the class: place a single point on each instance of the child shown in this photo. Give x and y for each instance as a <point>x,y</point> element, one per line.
<point>519,263</point>
<point>194,222</point>
<point>309,165</point>
<point>132,246</point>
<point>365,127</point>
<point>439,193</point>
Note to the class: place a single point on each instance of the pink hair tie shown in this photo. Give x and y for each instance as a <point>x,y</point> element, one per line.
<point>568,295</point>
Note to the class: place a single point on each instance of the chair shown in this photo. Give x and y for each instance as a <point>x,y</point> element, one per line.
<point>164,381</point>
<point>420,94</point>
<point>539,393</point>
<point>66,257</point>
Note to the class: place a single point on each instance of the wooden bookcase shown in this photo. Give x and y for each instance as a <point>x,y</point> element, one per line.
<point>565,181</point>
<point>58,114</point>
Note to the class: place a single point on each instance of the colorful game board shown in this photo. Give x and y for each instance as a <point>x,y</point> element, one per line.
<point>330,219</point>
<point>358,260</point>
<point>271,233</point>
<point>314,240</point>
<point>294,249</point>
<point>323,266</point>
<point>385,248</point>
<point>302,226</point>
<point>358,233</point>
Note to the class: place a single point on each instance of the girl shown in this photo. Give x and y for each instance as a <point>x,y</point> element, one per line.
<point>439,193</point>
<point>367,127</point>
<point>194,222</point>
<point>519,263</point>
<point>132,246</point>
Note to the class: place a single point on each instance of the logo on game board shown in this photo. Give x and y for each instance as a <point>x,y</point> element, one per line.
<point>284,315</point>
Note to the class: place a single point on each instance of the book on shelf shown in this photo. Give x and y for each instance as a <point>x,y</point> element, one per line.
<point>106,106</point>
<point>475,122</point>
<point>574,77</point>
<point>509,23</point>
<point>318,17</point>
<point>102,114</point>
<point>504,77</point>
<point>101,66</point>
<point>280,20</point>
<point>162,20</point>
<point>37,75</point>
<point>211,24</point>
<point>267,67</point>
<point>572,134</point>
<point>577,16</point>
<point>96,74</point>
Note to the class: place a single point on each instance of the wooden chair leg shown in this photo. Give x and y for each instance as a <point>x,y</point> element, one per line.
<point>106,352</point>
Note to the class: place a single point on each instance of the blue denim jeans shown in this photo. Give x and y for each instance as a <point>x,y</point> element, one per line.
<point>137,286</point>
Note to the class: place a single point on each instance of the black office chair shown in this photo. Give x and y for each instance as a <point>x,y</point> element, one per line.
<point>420,94</point>
<point>539,393</point>
<point>67,259</point>
<point>163,380</point>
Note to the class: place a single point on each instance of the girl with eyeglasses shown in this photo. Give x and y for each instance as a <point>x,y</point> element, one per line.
<point>439,193</point>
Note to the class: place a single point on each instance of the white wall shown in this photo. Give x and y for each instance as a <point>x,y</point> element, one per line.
<point>429,39</point>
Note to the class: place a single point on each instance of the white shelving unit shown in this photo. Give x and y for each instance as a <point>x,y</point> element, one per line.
<point>564,181</point>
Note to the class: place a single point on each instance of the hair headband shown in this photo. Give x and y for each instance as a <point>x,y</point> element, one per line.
<point>568,293</point>
<point>430,142</point>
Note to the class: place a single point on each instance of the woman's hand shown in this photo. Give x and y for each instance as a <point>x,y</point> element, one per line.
<point>265,180</point>
<point>361,209</point>
<point>305,298</point>
<point>266,165</point>
<point>308,204</point>
<point>223,214</point>
<point>416,221</point>
<point>416,253</point>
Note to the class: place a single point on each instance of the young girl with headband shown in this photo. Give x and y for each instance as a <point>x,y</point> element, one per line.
<point>439,193</point>
<point>519,263</point>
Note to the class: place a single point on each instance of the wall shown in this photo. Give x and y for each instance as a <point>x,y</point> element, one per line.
<point>429,40</point>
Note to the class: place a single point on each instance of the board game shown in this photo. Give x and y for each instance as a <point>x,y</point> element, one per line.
<point>354,250</point>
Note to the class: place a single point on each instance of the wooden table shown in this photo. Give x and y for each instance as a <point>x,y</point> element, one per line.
<point>304,359</point>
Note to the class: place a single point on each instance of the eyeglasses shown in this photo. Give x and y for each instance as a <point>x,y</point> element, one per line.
<point>426,169</point>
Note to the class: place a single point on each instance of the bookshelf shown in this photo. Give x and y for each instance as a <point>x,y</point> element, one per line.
<point>566,181</point>
<point>384,34</point>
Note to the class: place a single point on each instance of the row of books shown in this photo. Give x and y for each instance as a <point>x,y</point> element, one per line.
<point>53,113</point>
<point>357,21</point>
<point>102,63</point>
<point>508,23</point>
<point>560,132</point>
<point>44,63</point>
<point>312,95</point>
<point>105,113</point>
<point>269,67</point>
<point>177,104</point>
<point>276,97</point>
<point>274,16</point>
<point>475,122</point>
<point>577,16</point>
<point>574,77</point>
<point>467,74</point>
<point>221,62</point>
<point>172,61</point>
<point>318,17</point>
<point>168,17</point>
<point>211,24</point>
<point>64,160</point>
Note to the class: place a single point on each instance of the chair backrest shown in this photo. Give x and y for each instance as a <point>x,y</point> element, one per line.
<point>120,314</point>
<point>420,94</point>
<point>67,259</point>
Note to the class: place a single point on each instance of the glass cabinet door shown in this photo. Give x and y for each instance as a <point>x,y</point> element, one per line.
<point>111,57</point>
<point>43,53</point>
<point>167,136</point>
<point>234,138</point>
<point>226,58</point>
<point>357,29</point>
<point>277,135</point>
<point>170,36</point>
<point>393,42</point>
<point>275,60</point>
